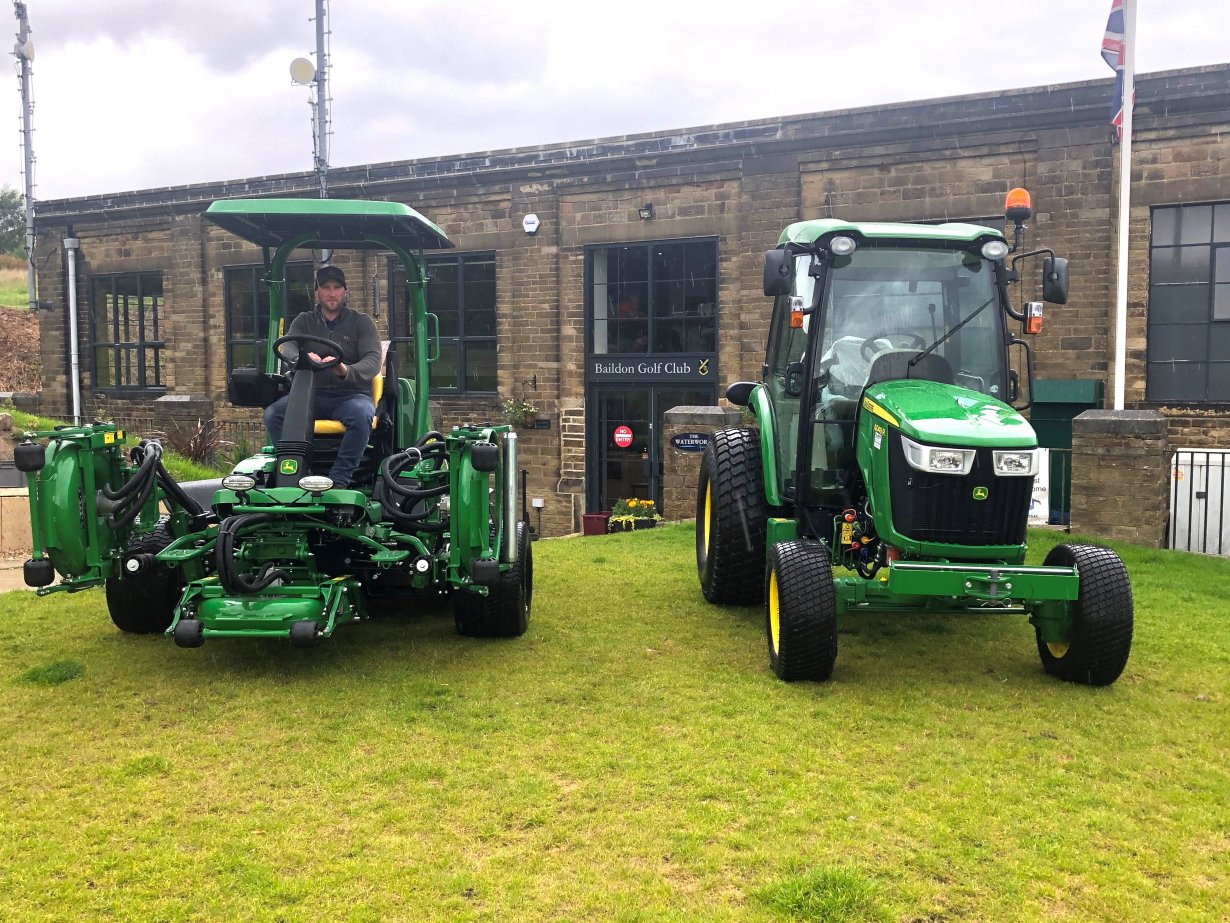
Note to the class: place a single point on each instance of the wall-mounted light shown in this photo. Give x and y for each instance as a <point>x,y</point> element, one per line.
<point>646,211</point>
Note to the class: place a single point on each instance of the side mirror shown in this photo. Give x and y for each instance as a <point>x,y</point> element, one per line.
<point>1055,280</point>
<point>740,393</point>
<point>778,272</point>
<point>793,384</point>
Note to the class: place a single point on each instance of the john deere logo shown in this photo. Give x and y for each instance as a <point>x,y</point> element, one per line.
<point>981,493</point>
<point>290,466</point>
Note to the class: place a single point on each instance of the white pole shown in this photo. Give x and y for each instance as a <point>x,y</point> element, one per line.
<point>322,99</point>
<point>1125,197</point>
<point>70,247</point>
<point>24,49</point>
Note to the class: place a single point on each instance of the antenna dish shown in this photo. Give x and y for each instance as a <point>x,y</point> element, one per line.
<point>302,71</point>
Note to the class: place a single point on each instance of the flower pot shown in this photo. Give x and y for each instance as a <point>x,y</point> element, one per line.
<point>634,525</point>
<point>594,523</point>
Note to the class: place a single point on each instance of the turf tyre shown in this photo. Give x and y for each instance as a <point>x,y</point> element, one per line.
<point>144,603</point>
<point>731,519</point>
<point>800,611</point>
<point>1102,618</point>
<point>505,611</point>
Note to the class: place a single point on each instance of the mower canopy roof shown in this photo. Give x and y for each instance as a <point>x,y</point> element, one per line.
<point>808,232</point>
<point>345,224</point>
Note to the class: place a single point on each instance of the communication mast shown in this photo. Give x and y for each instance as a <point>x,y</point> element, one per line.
<point>304,73</point>
<point>23,51</point>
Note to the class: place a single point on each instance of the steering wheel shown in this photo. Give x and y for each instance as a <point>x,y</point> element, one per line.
<point>869,344</point>
<point>304,339</point>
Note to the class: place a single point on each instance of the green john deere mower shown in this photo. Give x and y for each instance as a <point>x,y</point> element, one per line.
<point>889,446</point>
<point>274,550</point>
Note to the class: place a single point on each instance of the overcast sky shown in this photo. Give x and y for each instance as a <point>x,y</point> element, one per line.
<point>132,94</point>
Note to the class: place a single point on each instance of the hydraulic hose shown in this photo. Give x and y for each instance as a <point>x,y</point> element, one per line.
<point>136,493</point>
<point>224,557</point>
<point>146,457</point>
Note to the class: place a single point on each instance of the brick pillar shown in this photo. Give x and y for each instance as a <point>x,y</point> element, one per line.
<point>1121,475</point>
<point>681,467</point>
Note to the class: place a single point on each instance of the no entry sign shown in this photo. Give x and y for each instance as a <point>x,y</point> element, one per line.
<point>623,436</point>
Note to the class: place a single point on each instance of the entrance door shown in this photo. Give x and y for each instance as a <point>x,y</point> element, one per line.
<point>625,440</point>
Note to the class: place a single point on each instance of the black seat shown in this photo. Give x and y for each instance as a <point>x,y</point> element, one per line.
<point>894,365</point>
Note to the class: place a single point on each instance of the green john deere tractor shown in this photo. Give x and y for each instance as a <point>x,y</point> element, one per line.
<point>274,549</point>
<point>889,444</point>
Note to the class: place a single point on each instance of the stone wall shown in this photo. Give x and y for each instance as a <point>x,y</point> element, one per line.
<point>740,184</point>
<point>681,467</point>
<point>1121,476</point>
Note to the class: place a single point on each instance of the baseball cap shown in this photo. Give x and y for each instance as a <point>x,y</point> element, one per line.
<point>330,274</point>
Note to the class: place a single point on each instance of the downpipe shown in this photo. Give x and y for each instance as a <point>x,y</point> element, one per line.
<point>70,247</point>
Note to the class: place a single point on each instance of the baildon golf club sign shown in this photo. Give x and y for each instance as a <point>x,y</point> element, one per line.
<point>677,368</point>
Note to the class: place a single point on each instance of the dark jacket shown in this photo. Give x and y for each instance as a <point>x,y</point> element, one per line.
<point>356,334</point>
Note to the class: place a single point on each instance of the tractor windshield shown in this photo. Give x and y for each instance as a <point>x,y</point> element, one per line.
<point>883,301</point>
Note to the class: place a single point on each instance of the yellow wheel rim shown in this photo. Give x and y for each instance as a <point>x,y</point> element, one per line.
<point>775,618</point>
<point>708,515</point>
<point>1058,648</point>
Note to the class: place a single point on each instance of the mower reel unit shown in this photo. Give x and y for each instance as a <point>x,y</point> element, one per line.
<point>275,550</point>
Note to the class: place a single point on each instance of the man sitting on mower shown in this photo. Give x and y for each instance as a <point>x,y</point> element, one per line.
<point>343,391</point>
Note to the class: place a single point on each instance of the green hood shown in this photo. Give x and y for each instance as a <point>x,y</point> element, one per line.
<point>948,415</point>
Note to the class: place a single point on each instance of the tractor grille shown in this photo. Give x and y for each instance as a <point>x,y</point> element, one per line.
<point>942,508</point>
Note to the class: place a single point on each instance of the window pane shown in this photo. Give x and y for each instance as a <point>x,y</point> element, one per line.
<point>1221,223</point>
<point>628,264</point>
<point>1180,264</point>
<point>480,308</point>
<point>479,269</point>
<point>668,261</point>
<point>1195,224</point>
<point>243,355</point>
<point>1178,304</point>
<point>1177,381</point>
<point>668,336</point>
<point>1165,227</point>
<point>701,261</point>
<point>1221,301</point>
<point>668,299</point>
<point>104,368</point>
<point>240,299</point>
<point>1181,342</point>
<point>481,367</point>
<point>1219,381</point>
<point>444,369</point>
<point>1221,264</point>
<point>153,369</point>
<point>300,281</point>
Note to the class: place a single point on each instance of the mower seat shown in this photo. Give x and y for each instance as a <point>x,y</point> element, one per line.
<point>895,365</point>
<point>334,427</point>
<point>327,434</point>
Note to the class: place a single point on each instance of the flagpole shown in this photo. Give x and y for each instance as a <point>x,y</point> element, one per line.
<point>1125,197</point>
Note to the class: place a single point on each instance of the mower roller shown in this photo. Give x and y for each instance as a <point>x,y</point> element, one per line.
<point>889,446</point>
<point>275,550</point>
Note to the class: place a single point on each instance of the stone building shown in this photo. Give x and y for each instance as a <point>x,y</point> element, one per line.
<point>641,288</point>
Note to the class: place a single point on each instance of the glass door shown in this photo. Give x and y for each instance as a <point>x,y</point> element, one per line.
<point>625,441</point>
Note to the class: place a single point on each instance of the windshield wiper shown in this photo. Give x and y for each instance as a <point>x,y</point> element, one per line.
<point>930,349</point>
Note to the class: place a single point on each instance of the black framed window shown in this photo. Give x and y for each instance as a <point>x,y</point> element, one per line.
<point>655,297</point>
<point>1188,353</point>
<point>461,294</point>
<point>247,309</point>
<point>125,313</point>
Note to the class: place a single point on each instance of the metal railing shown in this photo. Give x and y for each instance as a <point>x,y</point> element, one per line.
<point>1198,488</point>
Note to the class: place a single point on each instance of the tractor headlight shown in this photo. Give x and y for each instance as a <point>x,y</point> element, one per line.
<point>995,249</point>
<point>238,482</point>
<point>842,246</point>
<point>937,459</point>
<point>1021,463</point>
<point>316,483</point>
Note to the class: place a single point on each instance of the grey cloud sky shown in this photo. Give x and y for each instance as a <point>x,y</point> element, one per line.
<point>133,94</point>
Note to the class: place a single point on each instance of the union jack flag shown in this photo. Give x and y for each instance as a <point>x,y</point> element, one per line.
<point>1112,54</point>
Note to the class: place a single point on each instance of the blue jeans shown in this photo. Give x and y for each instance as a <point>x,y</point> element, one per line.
<point>353,409</point>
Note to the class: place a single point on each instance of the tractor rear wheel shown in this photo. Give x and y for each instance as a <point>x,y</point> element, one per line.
<point>505,611</point>
<point>144,602</point>
<point>731,519</point>
<point>1100,638</point>
<point>801,611</point>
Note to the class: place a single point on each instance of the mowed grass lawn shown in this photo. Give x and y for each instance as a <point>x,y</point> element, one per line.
<point>630,758</point>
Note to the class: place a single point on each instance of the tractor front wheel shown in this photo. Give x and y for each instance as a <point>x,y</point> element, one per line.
<point>731,519</point>
<point>144,602</point>
<point>801,611</point>
<point>1100,638</point>
<point>505,611</point>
